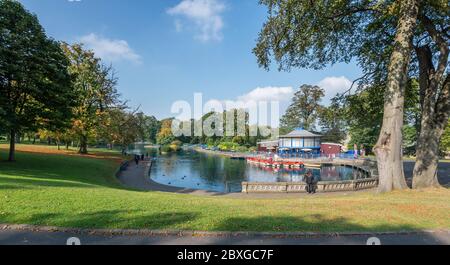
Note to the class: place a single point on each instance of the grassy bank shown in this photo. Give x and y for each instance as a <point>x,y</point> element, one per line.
<point>63,189</point>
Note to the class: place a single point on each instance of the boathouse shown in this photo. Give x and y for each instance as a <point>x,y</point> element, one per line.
<point>299,142</point>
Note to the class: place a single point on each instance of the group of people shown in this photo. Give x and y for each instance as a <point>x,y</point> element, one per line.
<point>359,153</point>
<point>138,158</point>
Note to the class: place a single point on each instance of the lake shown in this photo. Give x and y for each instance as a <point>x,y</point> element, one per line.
<point>194,170</point>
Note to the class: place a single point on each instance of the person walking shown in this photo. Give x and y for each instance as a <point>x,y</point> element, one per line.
<point>136,160</point>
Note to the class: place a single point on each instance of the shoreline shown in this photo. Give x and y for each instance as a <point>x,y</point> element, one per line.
<point>222,153</point>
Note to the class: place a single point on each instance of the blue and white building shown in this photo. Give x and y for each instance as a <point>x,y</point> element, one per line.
<point>299,143</point>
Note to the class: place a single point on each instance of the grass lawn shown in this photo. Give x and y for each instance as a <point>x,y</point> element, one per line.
<point>58,188</point>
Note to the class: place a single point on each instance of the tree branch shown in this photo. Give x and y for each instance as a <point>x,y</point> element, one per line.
<point>351,12</point>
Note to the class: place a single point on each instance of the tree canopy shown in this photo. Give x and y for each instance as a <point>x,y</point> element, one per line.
<point>304,109</point>
<point>378,34</point>
<point>95,86</point>
<point>35,86</point>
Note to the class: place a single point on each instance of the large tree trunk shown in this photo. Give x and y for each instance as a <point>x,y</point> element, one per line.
<point>389,147</point>
<point>83,145</point>
<point>434,121</point>
<point>12,146</point>
<point>435,103</point>
<point>425,170</point>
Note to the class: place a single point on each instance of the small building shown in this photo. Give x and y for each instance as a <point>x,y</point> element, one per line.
<point>331,149</point>
<point>299,142</point>
<point>268,146</point>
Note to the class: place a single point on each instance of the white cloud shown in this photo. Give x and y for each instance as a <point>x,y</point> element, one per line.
<point>268,94</point>
<point>111,50</point>
<point>260,94</point>
<point>279,95</point>
<point>334,85</point>
<point>206,16</point>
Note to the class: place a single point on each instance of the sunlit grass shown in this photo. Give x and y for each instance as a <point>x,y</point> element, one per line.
<point>74,191</point>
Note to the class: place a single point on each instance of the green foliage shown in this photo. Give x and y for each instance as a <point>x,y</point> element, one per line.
<point>445,142</point>
<point>364,116</point>
<point>70,191</point>
<point>309,34</point>
<point>236,116</point>
<point>409,140</point>
<point>35,87</point>
<point>148,126</point>
<point>165,136</point>
<point>175,146</point>
<point>166,149</point>
<point>95,86</point>
<point>333,123</point>
<point>303,111</point>
<point>228,146</point>
<point>117,127</point>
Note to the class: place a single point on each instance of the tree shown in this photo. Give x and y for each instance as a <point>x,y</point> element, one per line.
<point>432,55</point>
<point>365,129</point>
<point>332,122</point>
<point>389,147</point>
<point>35,87</point>
<point>95,85</point>
<point>445,143</point>
<point>149,127</point>
<point>303,111</point>
<point>316,33</point>
<point>165,135</point>
<point>119,127</point>
<point>429,65</point>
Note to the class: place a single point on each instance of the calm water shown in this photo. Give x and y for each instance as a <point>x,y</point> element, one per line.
<point>193,170</point>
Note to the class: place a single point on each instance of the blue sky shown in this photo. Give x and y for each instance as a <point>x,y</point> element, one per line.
<point>166,50</point>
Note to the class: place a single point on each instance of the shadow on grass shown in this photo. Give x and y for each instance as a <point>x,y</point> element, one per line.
<point>31,182</point>
<point>33,170</point>
<point>175,220</point>
<point>312,223</point>
<point>111,220</point>
<point>321,224</point>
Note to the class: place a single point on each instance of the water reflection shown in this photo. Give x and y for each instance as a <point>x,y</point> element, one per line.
<point>193,170</point>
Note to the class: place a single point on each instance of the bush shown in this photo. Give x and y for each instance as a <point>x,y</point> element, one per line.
<point>230,146</point>
<point>166,149</point>
<point>241,149</point>
<point>227,146</point>
<point>175,146</point>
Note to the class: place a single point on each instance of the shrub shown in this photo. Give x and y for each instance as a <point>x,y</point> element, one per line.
<point>175,146</point>
<point>166,149</point>
<point>241,149</point>
<point>227,146</point>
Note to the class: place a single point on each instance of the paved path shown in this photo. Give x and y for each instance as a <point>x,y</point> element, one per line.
<point>443,172</point>
<point>11,237</point>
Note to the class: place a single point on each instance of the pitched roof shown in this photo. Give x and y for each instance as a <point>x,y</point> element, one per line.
<point>301,134</point>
